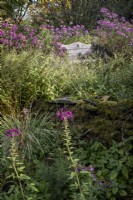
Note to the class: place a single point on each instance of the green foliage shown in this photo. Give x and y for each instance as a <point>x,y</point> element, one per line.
<point>52,180</point>
<point>29,76</point>
<point>54,159</point>
<point>114,167</point>
<point>35,131</point>
<point>17,174</point>
<point>13,8</point>
<point>73,12</point>
<point>113,77</point>
<point>32,75</point>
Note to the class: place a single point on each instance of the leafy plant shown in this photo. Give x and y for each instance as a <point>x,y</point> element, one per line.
<point>114,167</point>
<point>81,183</point>
<point>17,174</point>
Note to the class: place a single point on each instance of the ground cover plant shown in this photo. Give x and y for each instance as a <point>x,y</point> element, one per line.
<point>81,151</point>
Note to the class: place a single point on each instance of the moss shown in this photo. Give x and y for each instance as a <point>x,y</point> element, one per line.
<point>83,104</point>
<point>126,104</point>
<point>105,122</point>
<point>102,128</point>
<point>116,135</point>
<point>109,109</point>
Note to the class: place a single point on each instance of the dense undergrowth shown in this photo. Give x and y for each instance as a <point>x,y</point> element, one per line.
<point>82,152</point>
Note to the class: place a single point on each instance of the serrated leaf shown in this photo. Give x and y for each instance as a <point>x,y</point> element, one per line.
<point>99,173</point>
<point>73,174</point>
<point>11,189</point>
<point>115,190</point>
<point>33,188</point>
<point>112,198</point>
<point>122,192</point>
<point>125,171</point>
<point>24,177</point>
<point>76,160</point>
<point>21,168</point>
<point>113,174</point>
<point>108,194</point>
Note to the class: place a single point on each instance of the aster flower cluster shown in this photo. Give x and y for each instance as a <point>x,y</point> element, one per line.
<point>66,32</point>
<point>24,37</point>
<point>63,114</point>
<point>113,24</point>
<point>12,132</point>
<point>11,36</point>
<point>63,34</point>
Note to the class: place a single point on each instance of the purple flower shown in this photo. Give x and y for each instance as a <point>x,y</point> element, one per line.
<point>13,35</point>
<point>91,168</point>
<point>5,41</point>
<point>81,168</point>
<point>77,169</point>
<point>62,114</point>
<point>26,28</point>
<point>123,19</point>
<point>121,33</point>
<point>20,36</point>
<point>14,28</point>
<point>108,14</point>
<point>2,33</point>
<point>5,24</point>
<point>84,168</point>
<point>12,132</point>
<point>104,10</point>
<point>34,41</point>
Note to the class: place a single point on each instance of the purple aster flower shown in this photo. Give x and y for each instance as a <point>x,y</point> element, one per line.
<point>121,33</point>
<point>12,132</point>
<point>2,33</point>
<point>123,19</point>
<point>13,35</point>
<point>20,36</point>
<point>14,28</point>
<point>104,10</point>
<point>5,24</point>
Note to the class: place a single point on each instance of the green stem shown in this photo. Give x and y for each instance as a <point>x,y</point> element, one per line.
<point>14,166</point>
<point>70,156</point>
<point>20,185</point>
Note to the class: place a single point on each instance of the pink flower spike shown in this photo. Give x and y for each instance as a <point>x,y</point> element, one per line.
<point>62,114</point>
<point>12,132</point>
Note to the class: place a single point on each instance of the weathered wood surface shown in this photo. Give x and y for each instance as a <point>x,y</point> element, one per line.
<point>77,50</point>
